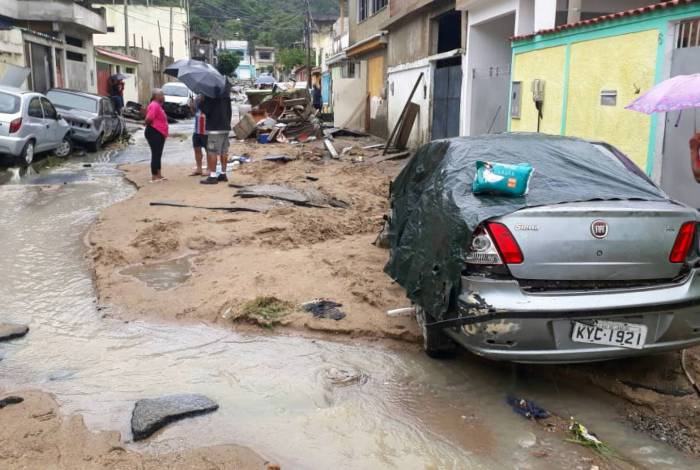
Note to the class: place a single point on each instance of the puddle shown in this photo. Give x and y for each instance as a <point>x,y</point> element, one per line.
<point>162,276</point>
<point>303,403</point>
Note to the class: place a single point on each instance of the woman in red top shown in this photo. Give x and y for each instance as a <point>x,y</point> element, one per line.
<point>156,132</point>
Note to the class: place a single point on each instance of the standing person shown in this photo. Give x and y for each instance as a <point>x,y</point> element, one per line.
<point>317,96</point>
<point>116,93</point>
<point>199,137</point>
<point>218,127</point>
<point>156,132</point>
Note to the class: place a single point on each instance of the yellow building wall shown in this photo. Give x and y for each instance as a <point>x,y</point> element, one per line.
<point>544,64</point>
<point>626,64</point>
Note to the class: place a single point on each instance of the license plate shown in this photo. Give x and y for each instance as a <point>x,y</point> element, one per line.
<point>610,333</point>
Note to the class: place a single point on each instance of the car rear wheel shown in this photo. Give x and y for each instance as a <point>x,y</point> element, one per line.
<point>65,148</point>
<point>436,343</point>
<point>27,156</point>
<point>97,145</point>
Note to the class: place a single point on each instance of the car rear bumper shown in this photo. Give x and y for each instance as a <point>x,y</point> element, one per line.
<point>537,328</point>
<point>81,134</point>
<point>12,146</point>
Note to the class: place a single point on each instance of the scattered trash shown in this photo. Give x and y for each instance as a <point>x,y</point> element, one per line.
<point>502,179</point>
<point>527,408</point>
<point>331,149</point>
<point>308,197</point>
<point>240,159</point>
<point>213,208</point>
<point>343,132</point>
<point>263,138</point>
<point>687,374</point>
<point>402,312</point>
<point>279,158</point>
<point>581,435</point>
<point>11,400</point>
<point>321,308</point>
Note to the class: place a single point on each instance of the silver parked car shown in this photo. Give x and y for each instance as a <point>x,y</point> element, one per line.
<point>564,282</point>
<point>30,124</point>
<point>92,117</point>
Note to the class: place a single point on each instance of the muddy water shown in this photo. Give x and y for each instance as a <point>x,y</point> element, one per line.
<point>296,401</point>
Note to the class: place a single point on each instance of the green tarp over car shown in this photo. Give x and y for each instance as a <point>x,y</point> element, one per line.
<point>434,212</point>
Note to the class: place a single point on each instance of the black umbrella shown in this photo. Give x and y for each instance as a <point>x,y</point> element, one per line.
<point>174,69</point>
<point>199,77</point>
<point>119,76</point>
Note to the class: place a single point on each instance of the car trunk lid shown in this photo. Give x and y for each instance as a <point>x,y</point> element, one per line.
<point>600,240</point>
<point>5,120</point>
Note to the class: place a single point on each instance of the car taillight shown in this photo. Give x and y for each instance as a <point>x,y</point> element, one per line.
<point>505,242</point>
<point>483,250</point>
<point>494,245</point>
<point>683,242</point>
<point>15,125</point>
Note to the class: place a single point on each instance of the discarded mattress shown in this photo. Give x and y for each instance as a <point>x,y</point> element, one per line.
<point>434,212</point>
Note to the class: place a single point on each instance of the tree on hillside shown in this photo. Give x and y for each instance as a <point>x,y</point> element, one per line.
<point>290,58</point>
<point>227,62</point>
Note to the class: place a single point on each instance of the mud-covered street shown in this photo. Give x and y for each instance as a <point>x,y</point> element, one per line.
<point>126,301</point>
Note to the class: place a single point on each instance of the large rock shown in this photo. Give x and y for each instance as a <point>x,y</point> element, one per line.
<point>11,331</point>
<point>150,415</point>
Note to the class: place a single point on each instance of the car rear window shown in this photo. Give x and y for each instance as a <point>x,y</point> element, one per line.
<point>72,101</point>
<point>9,104</point>
<point>176,90</point>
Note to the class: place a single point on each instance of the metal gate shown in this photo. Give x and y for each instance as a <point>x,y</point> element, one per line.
<point>676,175</point>
<point>447,93</point>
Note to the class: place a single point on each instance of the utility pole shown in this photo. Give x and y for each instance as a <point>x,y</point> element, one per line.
<point>126,28</point>
<point>308,45</point>
<point>342,17</point>
<point>189,29</point>
<point>171,32</point>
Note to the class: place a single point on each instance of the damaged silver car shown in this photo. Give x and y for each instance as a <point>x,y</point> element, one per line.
<point>577,281</point>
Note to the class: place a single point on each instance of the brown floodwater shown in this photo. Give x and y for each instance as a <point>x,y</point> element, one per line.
<point>304,403</point>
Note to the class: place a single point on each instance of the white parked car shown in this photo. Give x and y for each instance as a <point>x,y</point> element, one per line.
<point>177,97</point>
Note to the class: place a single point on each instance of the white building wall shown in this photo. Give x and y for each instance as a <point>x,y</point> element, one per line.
<point>144,24</point>
<point>11,50</point>
<point>349,98</point>
<point>401,80</point>
<point>530,15</point>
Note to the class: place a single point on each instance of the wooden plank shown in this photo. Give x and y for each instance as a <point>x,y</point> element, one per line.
<point>406,127</point>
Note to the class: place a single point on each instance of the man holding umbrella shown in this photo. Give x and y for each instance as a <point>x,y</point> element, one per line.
<point>215,89</point>
<point>218,127</point>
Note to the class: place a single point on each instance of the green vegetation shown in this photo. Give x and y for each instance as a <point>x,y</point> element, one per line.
<point>227,62</point>
<point>266,311</point>
<point>290,58</point>
<point>276,23</point>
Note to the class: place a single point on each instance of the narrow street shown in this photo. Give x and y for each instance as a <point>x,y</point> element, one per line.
<point>279,394</point>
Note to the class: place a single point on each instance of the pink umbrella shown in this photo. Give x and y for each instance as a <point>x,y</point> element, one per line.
<point>680,92</point>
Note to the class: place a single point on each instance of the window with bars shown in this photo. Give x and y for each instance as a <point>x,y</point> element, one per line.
<point>688,34</point>
<point>362,9</point>
<point>378,5</point>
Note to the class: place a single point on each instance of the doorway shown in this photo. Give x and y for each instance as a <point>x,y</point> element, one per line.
<point>447,77</point>
<point>41,65</point>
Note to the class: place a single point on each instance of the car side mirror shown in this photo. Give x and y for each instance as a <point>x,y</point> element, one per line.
<point>58,117</point>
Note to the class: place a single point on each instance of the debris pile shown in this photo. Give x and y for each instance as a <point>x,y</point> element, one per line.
<point>285,116</point>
